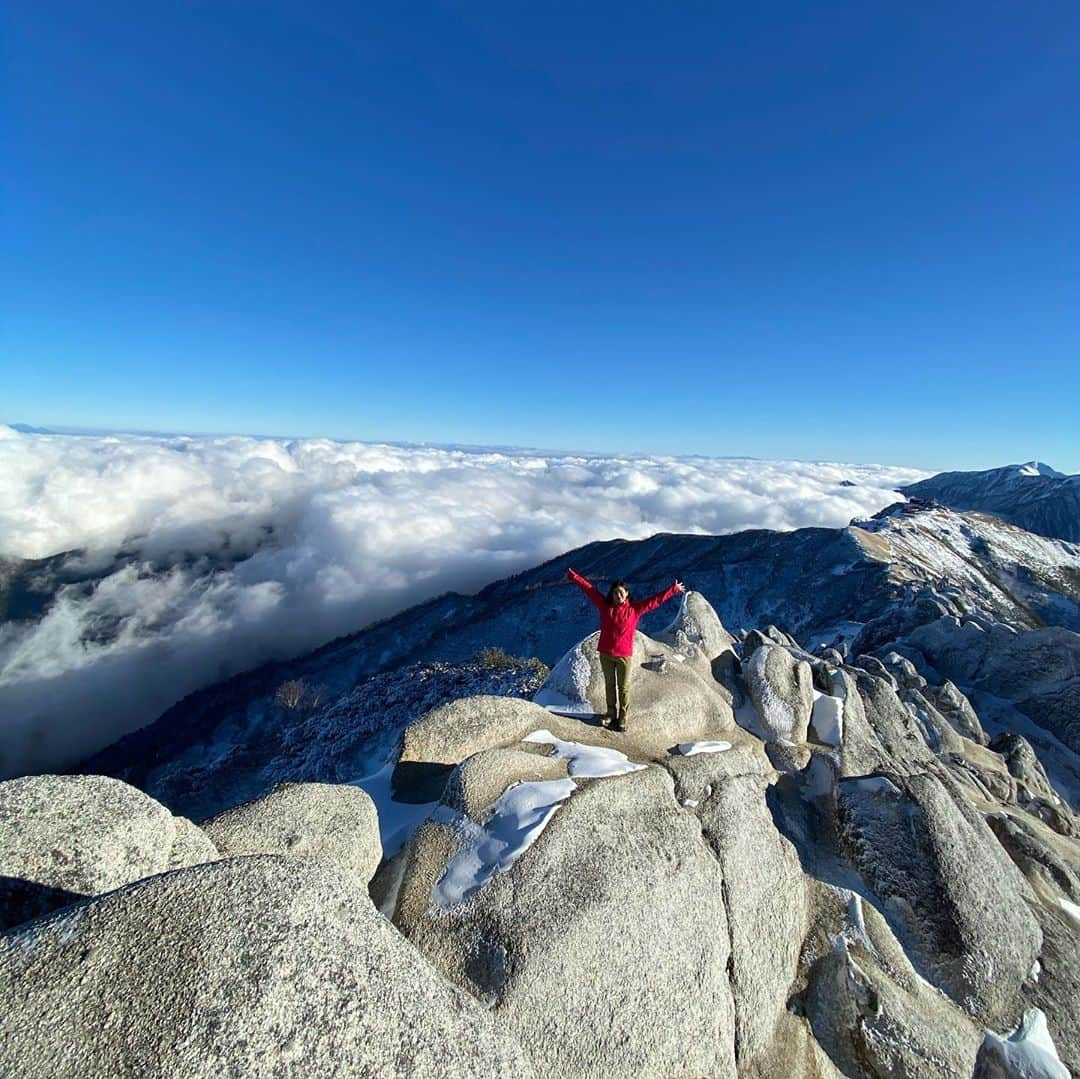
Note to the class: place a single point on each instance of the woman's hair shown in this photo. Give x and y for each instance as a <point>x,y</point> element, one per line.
<point>617,584</point>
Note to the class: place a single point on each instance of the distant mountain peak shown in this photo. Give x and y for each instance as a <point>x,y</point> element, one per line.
<point>1032,495</point>
<point>1038,468</point>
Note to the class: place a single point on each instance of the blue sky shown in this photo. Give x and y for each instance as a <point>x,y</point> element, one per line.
<point>845,231</point>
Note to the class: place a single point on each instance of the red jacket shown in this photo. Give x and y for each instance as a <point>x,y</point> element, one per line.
<point>618,623</point>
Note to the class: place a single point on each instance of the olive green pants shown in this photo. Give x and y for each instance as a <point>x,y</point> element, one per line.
<point>616,678</point>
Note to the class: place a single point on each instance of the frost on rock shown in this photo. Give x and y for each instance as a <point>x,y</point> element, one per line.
<point>517,819</point>
<point>782,691</point>
<point>566,688</point>
<point>1027,1053</point>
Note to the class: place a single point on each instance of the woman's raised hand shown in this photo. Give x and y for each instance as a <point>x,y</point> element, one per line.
<point>680,586</point>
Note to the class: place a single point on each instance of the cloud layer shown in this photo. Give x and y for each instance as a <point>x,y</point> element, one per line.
<point>219,554</point>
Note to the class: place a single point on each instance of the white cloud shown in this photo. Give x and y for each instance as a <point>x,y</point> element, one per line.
<point>243,550</point>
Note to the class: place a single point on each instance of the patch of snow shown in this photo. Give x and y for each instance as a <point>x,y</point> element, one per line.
<point>691,803</point>
<point>586,762</point>
<point>819,777</point>
<point>397,820</point>
<point>688,749</point>
<point>1028,1052</point>
<point>827,718</point>
<point>876,784</point>
<point>1036,970</point>
<point>1071,909</point>
<point>516,821</point>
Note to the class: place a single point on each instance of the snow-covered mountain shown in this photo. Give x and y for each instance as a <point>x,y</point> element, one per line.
<point>865,588</point>
<point>1032,495</point>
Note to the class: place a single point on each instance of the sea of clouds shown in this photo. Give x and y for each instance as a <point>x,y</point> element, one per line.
<point>213,555</point>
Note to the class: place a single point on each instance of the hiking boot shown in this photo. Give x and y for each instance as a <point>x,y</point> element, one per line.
<point>608,721</point>
<point>619,725</point>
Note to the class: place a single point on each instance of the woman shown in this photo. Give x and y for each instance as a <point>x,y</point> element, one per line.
<point>618,620</point>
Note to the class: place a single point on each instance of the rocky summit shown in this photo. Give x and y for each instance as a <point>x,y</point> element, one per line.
<point>838,838</point>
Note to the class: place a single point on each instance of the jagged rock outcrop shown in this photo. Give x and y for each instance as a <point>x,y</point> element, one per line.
<point>962,903</point>
<point>956,708</point>
<point>242,967</point>
<point>565,947</point>
<point>66,837</point>
<point>1037,669</point>
<point>697,633</point>
<point>872,1013</point>
<point>323,822</point>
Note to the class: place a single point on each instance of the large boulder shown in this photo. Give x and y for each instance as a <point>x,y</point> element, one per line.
<point>476,783</point>
<point>66,837</point>
<point>442,738</point>
<point>671,701</point>
<point>325,822</point>
<point>604,948</point>
<point>782,690</point>
<point>962,903</point>
<point>242,967</point>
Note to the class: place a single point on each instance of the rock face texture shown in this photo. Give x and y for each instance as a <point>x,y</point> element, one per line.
<point>322,822</point>
<point>782,690</point>
<point>567,949</point>
<point>65,837</point>
<point>245,967</point>
<point>765,902</point>
<point>962,904</point>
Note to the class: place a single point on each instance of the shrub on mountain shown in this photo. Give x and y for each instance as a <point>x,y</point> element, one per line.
<point>297,696</point>
<point>498,659</point>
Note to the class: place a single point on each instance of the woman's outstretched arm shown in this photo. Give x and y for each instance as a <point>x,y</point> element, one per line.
<point>588,588</point>
<point>643,606</point>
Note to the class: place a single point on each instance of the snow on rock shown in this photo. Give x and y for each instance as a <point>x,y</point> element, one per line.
<point>1027,1053</point>
<point>397,819</point>
<point>517,819</point>
<point>585,762</point>
<point>697,634</point>
<point>689,749</point>
<point>605,950</point>
<point>1071,909</point>
<point>827,715</point>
